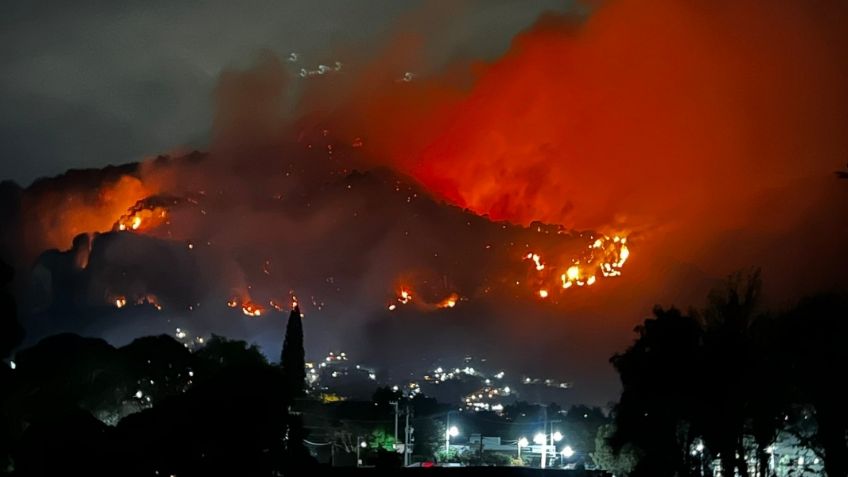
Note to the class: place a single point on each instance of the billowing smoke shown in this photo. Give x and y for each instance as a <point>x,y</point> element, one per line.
<point>687,139</point>
<point>711,129</point>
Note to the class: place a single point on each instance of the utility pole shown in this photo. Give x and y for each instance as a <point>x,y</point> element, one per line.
<point>481,448</point>
<point>544,462</point>
<point>406,440</point>
<point>395,404</point>
<point>553,441</point>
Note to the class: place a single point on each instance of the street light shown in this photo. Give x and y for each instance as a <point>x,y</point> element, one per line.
<point>698,451</point>
<point>567,452</point>
<point>542,439</point>
<point>523,442</point>
<point>450,431</point>
<point>362,445</point>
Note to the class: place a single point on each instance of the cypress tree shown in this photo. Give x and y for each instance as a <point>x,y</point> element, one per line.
<point>292,358</point>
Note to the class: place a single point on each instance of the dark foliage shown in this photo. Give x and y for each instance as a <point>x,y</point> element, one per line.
<point>733,373</point>
<point>293,359</point>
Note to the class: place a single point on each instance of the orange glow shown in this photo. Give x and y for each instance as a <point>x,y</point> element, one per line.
<point>151,300</point>
<point>543,293</point>
<point>55,215</point>
<point>449,302</point>
<point>536,260</point>
<point>251,309</point>
<point>140,218</point>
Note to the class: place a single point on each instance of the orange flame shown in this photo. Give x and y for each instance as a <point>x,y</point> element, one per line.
<point>251,309</point>
<point>449,302</point>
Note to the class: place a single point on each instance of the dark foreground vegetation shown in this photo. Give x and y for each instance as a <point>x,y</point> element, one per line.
<point>703,391</point>
<point>724,384</point>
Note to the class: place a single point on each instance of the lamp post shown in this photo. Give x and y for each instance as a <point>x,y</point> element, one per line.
<point>450,431</point>
<point>699,452</point>
<point>523,442</point>
<point>539,439</point>
<point>542,440</point>
<point>360,444</point>
<point>567,453</point>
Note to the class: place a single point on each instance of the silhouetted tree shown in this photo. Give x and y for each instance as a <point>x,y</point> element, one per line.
<point>425,406</point>
<point>161,365</point>
<point>524,412</point>
<point>819,359</point>
<point>296,454</point>
<point>383,397</point>
<point>728,368</point>
<point>70,371</point>
<point>67,441</point>
<point>292,358</point>
<point>230,423</point>
<point>619,462</point>
<point>769,396</point>
<point>428,436</point>
<point>11,332</point>
<point>580,427</point>
<point>220,352</point>
<point>661,382</point>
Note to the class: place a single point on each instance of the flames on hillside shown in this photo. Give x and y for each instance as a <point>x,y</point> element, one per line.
<point>601,257</point>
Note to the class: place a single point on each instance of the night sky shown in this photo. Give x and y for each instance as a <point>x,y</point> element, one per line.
<point>113,82</point>
<point>351,152</point>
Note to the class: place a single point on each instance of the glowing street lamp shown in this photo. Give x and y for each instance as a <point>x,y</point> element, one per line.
<point>362,445</point>
<point>452,431</point>
<point>568,452</point>
<point>539,439</point>
<point>523,442</point>
<point>557,436</point>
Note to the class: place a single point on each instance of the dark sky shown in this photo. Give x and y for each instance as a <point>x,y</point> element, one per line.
<point>103,82</point>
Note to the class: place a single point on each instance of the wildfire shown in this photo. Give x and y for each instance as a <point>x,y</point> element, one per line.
<point>606,257</point>
<point>121,301</point>
<point>405,296</point>
<point>537,260</point>
<point>135,218</point>
<point>147,214</point>
<point>449,302</point>
<point>251,309</point>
